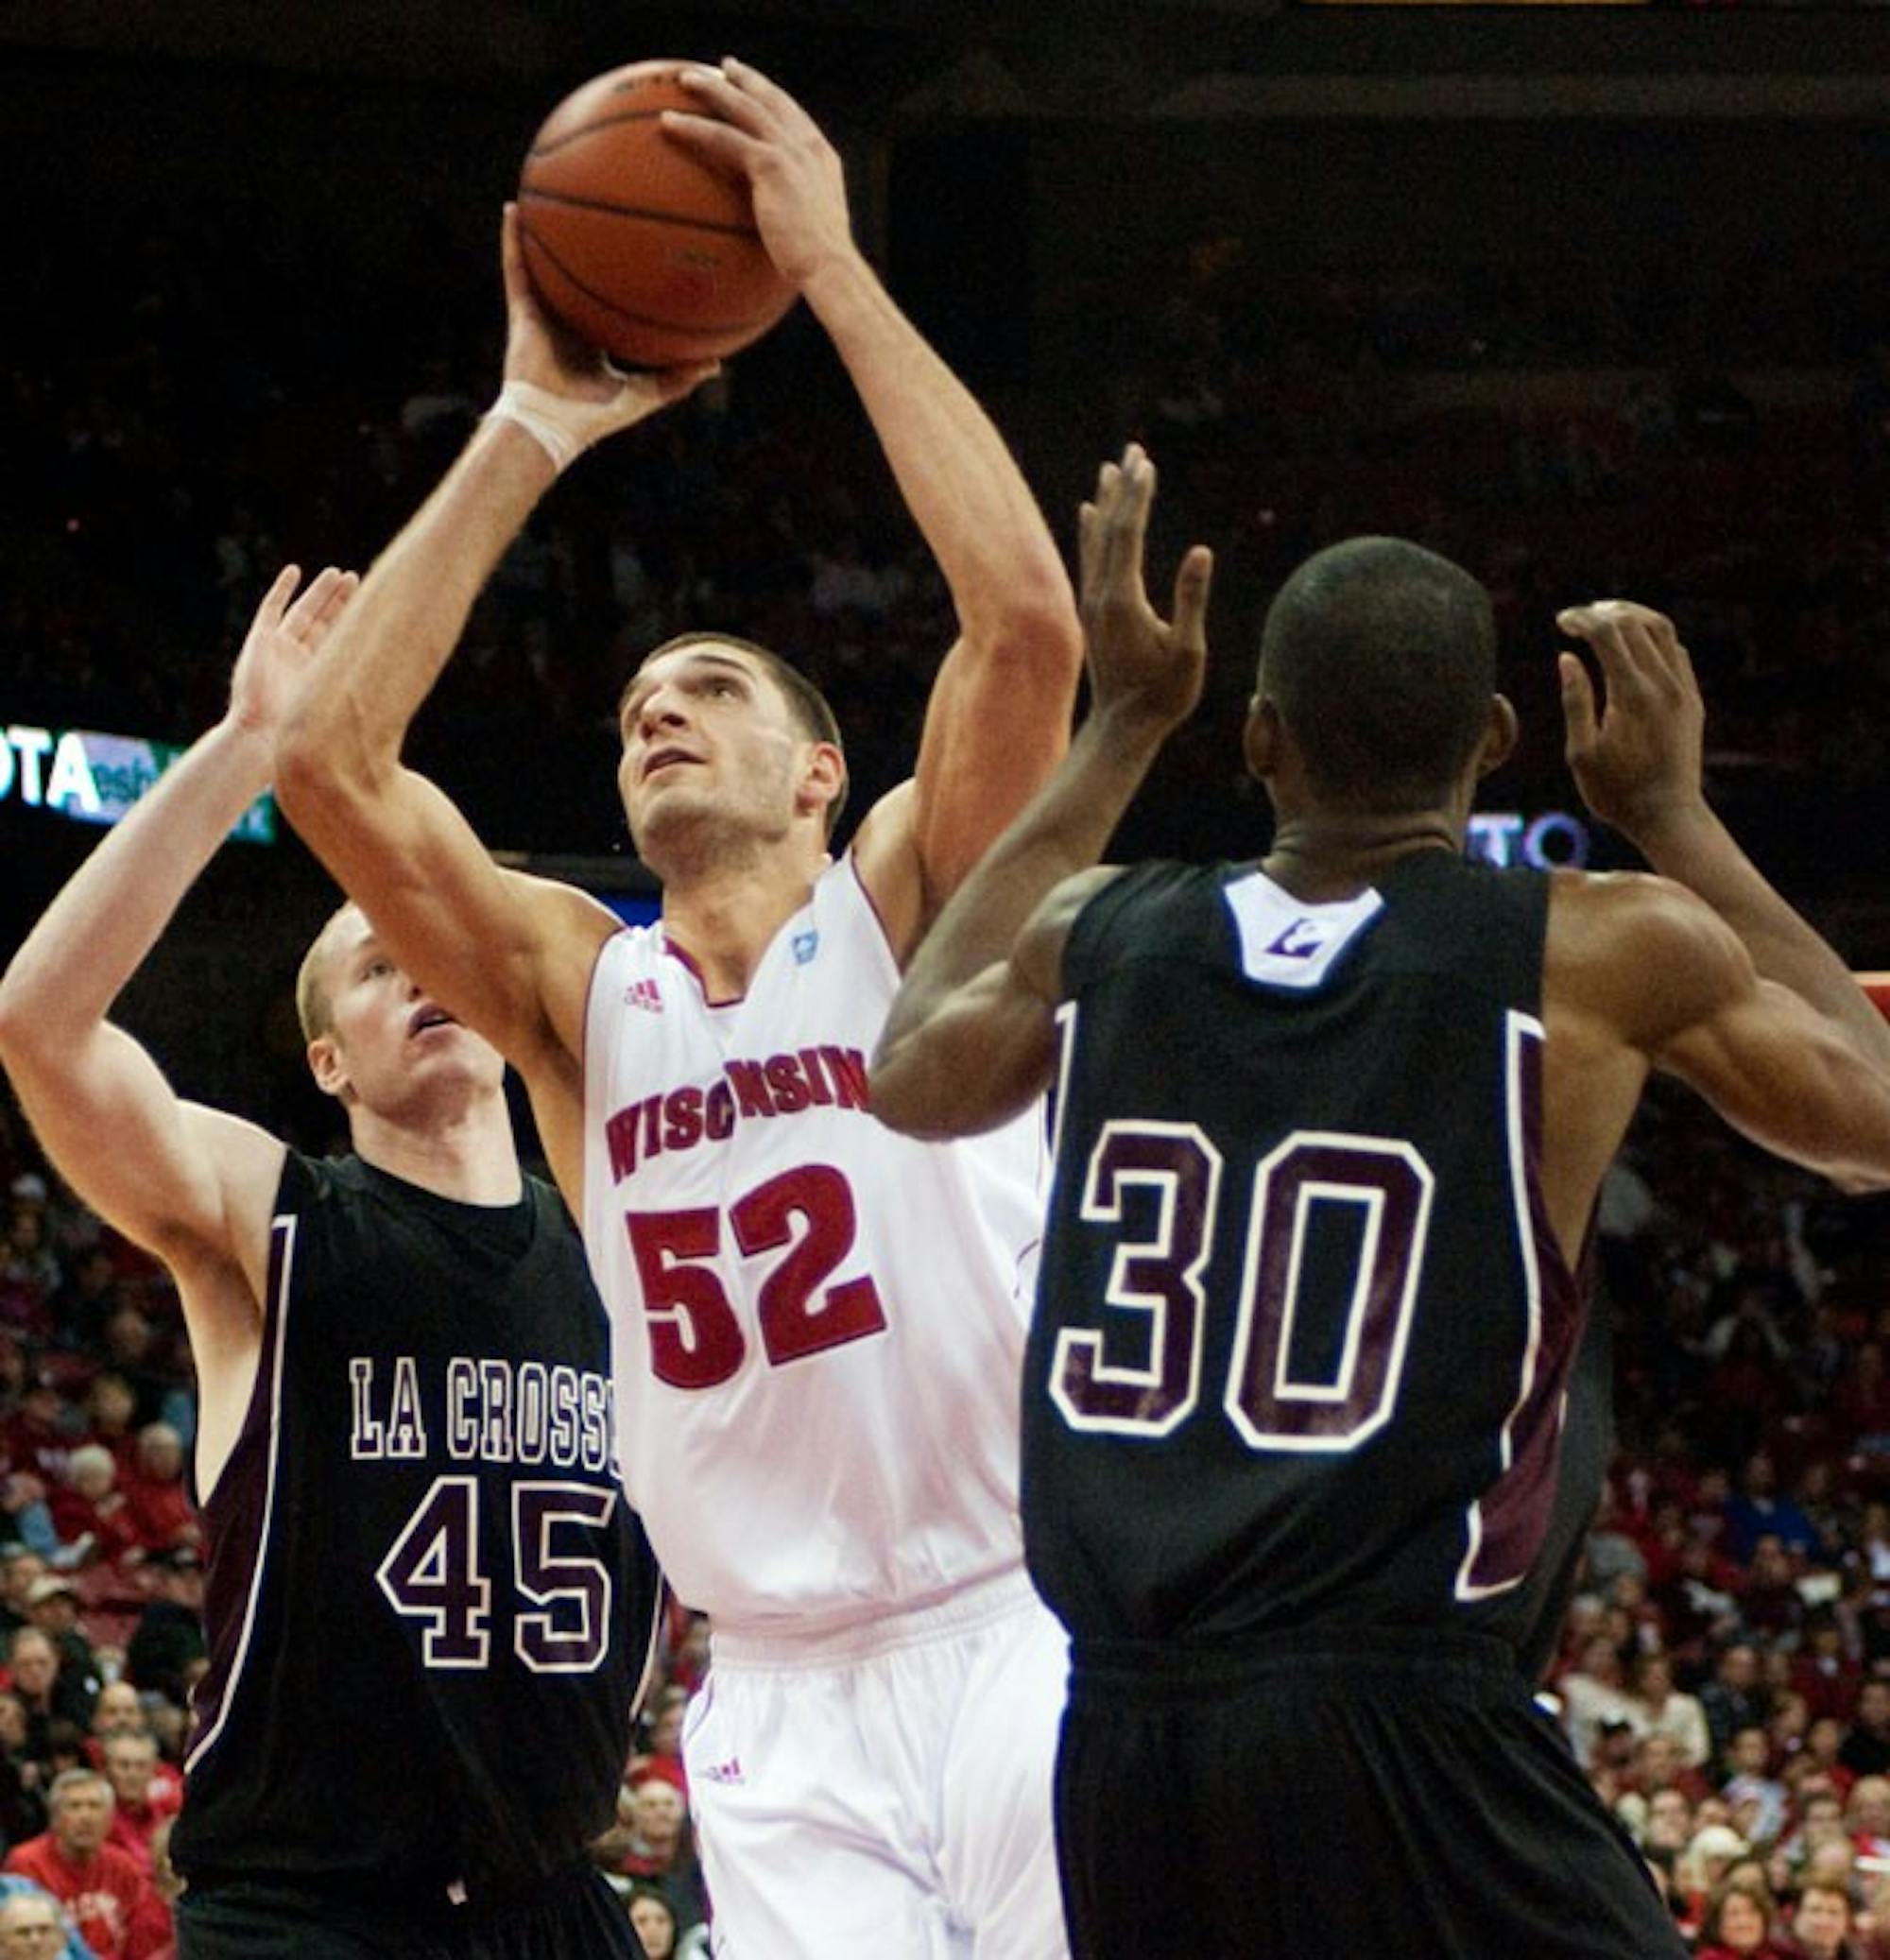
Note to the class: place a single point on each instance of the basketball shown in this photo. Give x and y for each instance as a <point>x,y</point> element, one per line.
<point>630,241</point>
<point>1877,986</point>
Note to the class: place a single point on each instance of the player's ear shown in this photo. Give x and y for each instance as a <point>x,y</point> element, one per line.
<point>824,777</point>
<point>325,1065</point>
<point>1260,738</point>
<point>1499,735</point>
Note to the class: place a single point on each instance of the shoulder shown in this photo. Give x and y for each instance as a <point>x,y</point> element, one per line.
<point>1641,952</point>
<point>1042,945</point>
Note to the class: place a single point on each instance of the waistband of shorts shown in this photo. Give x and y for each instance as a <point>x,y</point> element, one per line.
<point>419,1900</point>
<point>963,1610</point>
<point>1438,1659</point>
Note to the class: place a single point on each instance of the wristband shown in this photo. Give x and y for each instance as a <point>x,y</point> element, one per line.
<point>533,408</point>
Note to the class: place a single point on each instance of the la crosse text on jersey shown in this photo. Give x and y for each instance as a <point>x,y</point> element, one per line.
<point>779,1085</point>
<point>484,1408</point>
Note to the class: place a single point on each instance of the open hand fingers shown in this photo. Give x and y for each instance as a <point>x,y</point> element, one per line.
<point>275,601</point>
<point>744,96</point>
<point>719,145</point>
<point>513,258</point>
<point>1578,706</point>
<point>1123,497</point>
<point>1191,582</point>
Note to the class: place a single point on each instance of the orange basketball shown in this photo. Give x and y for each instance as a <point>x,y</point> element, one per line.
<point>1877,986</point>
<point>630,241</point>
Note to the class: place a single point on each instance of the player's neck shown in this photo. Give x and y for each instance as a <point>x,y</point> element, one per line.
<point>727,918</point>
<point>465,1152</point>
<point>1328,855</point>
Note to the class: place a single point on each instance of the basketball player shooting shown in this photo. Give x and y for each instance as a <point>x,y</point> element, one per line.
<point>1330,1127</point>
<point>820,1326</point>
<point>380,1762</point>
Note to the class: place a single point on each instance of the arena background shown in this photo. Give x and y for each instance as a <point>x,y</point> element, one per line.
<point>1415,268</point>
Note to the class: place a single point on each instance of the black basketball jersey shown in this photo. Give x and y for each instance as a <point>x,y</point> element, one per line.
<point>429,1607</point>
<point>1302,1328</point>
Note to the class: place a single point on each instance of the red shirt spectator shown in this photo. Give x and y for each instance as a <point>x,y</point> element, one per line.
<point>112,1902</point>
<point>155,1497</point>
<point>147,1792</point>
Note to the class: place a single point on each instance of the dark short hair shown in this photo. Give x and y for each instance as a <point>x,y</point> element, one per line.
<point>1381,659</point>
<point>809,708</point>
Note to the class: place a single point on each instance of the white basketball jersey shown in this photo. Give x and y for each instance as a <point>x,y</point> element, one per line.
<point>819,1325</point>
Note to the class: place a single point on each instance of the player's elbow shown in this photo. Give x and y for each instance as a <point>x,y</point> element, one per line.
<point>1032,624</point>
<point>319,777</point>
<point>899,1095</point>
<point>28,1031</point>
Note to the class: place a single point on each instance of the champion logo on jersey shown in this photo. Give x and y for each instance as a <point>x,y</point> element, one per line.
<point>1300,940</point>
<point>1285,943</point>
<point>805,946</point>
<point>729,1772</point>
<point>646,994</point>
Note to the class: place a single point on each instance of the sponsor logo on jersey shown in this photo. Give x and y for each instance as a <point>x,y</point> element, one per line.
<point>646,994</point>
<point>805,946</point>
<point>729,1772</point>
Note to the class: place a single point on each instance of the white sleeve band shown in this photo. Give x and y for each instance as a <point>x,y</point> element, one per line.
<point>535,410</point>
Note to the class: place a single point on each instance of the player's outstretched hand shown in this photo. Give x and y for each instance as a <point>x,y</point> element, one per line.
<point>282,644</point>
<point>554,378</point>
<point>751,127</point>
<point>1636,754</point>
<point>1138,660</point>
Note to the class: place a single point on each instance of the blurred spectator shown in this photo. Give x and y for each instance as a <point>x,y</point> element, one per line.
<point>1668,1712</point>
<point>1595,1693</point>
<point>141,1799</point>
<point>162,1518</point>
<point>1756,1798</point>
<point>52,1604</point>
<point>1867,1748</point>
<point>44,1691</point>
<point>1739,1926</point>
<point>33,1925</point>
<point>111,1901</point>
<point>1734,1698</point>
<point>653,1921</point>
<point>165,1650</point>
<point>1867,1817</point>
<point>1757,1510</point>
<point>1821,1923</point>
<point>89,1510</point>
<point>653,1842</point>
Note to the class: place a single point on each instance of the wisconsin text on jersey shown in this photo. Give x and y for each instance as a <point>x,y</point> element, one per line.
<point>486,1408</point>
<point>783,1085</point>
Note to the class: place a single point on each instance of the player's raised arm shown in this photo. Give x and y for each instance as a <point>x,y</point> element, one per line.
<point>968,1040</point>
<point>1635,756</point>
<point>481,939</point>
<point>1671,974</point>
<point>191,1185</point>
<point>999,711</point>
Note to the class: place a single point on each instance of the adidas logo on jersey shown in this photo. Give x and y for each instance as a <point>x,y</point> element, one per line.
<point>729,1772</point>
<point>646,994</point>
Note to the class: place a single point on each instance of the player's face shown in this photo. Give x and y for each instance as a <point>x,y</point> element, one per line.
<point>710,748</point>
<point>385,1039</point>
